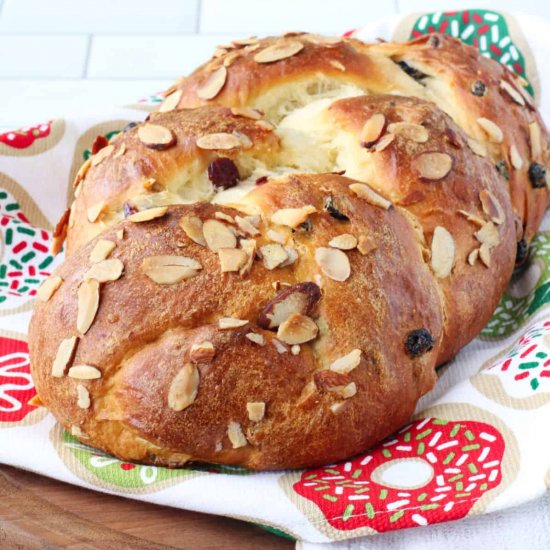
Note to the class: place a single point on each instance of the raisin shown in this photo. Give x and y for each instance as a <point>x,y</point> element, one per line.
<point>129,126</point>
<point>434,41</point>
<point>537,175</point>
<point>478,88</point>
<point>222,172</point>
<point>98,144</point>
<point>333,211</point>
<point>411,71</point>
<point>522,252</point>
<point>418,342</point>
<point>502,169</point>
<point>129,209</point>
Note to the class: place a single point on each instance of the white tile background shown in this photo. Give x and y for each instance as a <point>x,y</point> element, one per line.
<point>63,56</point>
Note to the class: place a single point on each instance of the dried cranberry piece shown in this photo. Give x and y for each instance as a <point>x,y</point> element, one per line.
<point>537,175</point>
<point>223,172</point>
<point>99,143</point>
<point>261,180</point>
<point>419,341</point>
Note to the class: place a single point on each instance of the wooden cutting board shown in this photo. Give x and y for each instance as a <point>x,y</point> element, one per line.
<point>40,513</point>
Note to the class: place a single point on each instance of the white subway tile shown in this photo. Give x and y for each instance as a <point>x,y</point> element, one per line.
<point>275,16</point>
<point>99,16</point>
<point>28,56</point>
<point>150,56</point>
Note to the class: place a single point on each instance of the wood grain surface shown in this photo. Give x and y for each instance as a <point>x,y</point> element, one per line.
<point>40,513</point>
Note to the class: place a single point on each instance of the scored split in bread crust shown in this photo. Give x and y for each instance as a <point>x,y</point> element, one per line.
<point>170,373</point>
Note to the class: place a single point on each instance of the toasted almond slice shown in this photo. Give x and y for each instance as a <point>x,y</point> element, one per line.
<point>473,256</point>
<point>485,254</point>
<point>84,372</point>
<point>347,362</point>
<point>213,84</point>
<point>372,130</point>
<point>473,218</point>
<point>246,41</point>
<point>155,136</point>
<point>88,303</point>
<point>409,130</point>
<point>101,155</point>
<point>192,226</point>
<point>491,206</point>
<point>227,323</point>
<point>433,165</point>
<point>171,102</point>
<point>64,355</point>
<point>343,242</point>
<point>477,147</point>
<point>249,246</point>
<point>256,410</point>
<point>94,211</point>
<point>83,397</point>
<point>295,349</point>
<point>515,158</point>
<point>348,390</point>
<point>494,133</point>
<point>218,235</point>
<point>224,217</point>
<point>168,270</point>
<point>246,226</point>
<point>297,329</point>
<point>246,112</point>
<point>385,141</point>
<point>256,338</point>
<point>363,191</point>
<point>105,270</point>
<point>273,255</point>
<point>236,436</point>
<point>443,252</point>
<point>534,136</point>
<point>230,57</point>
<point>265,125</point>
<point>48,288</point>
<point>35,401</point>
<point>333,263</point>
<point>184,388</point>
<point>77,432</point>
<point>202,351</point>
<point>149,214</point>
<point>121,151</point>
<point>120,234</point>
<point>276,236</point>
<point>337,65</point>
<point>339,407</point>
<point>512,92</point>
<point>82,171</point>
<point>232,259</point>
<point>101,250</point>
<point>292,217</point>
<point>488,234</point>
<point>220,140</point>
<point>366,244</point>
<point>279,50</point>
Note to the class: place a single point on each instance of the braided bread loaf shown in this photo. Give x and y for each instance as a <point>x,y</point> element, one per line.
<point>231,296</point>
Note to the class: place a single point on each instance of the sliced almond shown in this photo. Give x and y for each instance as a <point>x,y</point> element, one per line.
<point>409,130</point>
<point>295,349</point>
<point>491,206</point>
<point>184,388</point>
<point>149,214</point>
<point>192,226</point>
<point>477,147</point>
<point>236,436</point>
<point>297,329</point>
<point>212,86</point>
<point>346,363</point>
<point>472,218</point>
<point>105,270</point>
<point>534,137</point>
<point>273,255</point>
<point>84,372</point>
<point>230,57</point>
<point>344,242</point>
<point>171,102</point>
<point>473,256</point>
<point>77,432</point>
<point>101,250</point>
<point>443,252</point>
<point>224,217</point>
<point>35,401</point>
<point>275,236</point>
<point>203,351</point>
<point>88,303</point>
<point>155,136</point>
<point>333,263</point>
<point>265,125</point>
<point>249,246</point>
<point>232,259</point>
<point>64,355</point>
<point>218,235</point>
<point>337,65</point>
<point>220,140</point>
<point>366,244</point>
<point>372,130</point>
<point>256,338</point>
<point>494,133</point>
<point>515,158</point>
<point>227,323</point>
<point>279,346</point>
<point>292,217</point>
<point>433,165</point>
<point>278,51</point>
<point>83,397</point>
<point>384,142</point>
<point>120,234</point>
<point>488,234</point>
<point>94,211</point>
<point>512,92</point>
<point>485,254</point>
<point>363,191</point>
<point>256,410</point>
<point>246,112</point>
<point>101,155</point>
<point>168,270</point>
<point>120,152</point>
<point>339,407</point>
<point>48,288</point>
<point>247,226</point>
<point>246,41</point>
